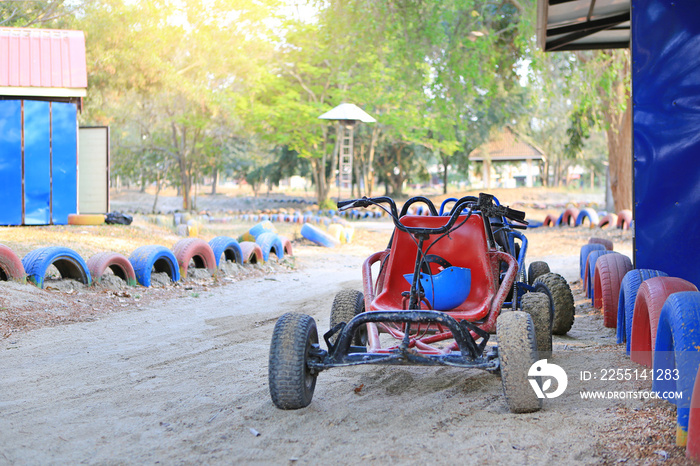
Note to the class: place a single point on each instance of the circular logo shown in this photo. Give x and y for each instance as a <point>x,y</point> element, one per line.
<point>541,375</point>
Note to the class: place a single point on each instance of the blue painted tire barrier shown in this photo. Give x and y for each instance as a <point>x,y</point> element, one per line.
<point>262,227</point>
<point>586,249</point>
<point>677,343</point>
<point>589,214</point>
<point>558,222</point>
<point>318,236</point>
<point>146,259</point>
<point>227,247</point>
<point>590,270</point>
<point>68,262</point>
<point>628,295</point>
<point>270,243</point>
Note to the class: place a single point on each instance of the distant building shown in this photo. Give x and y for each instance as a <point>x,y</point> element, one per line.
<point>507,161</point>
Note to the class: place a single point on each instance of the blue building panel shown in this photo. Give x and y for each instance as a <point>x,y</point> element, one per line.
<point>37,163</point>
<point>666,96</point>
<point>11,162</point>
<point>64,150</point>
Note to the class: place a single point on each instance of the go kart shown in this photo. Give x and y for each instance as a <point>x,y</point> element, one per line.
<point>439,293</point>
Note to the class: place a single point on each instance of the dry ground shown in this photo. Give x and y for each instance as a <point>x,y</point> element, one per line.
<point>178,375</point>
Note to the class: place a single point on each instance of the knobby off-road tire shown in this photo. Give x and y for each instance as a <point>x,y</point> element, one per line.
<point>517,351</point>
<point>563,302</point>
<point>291,382</point>
<point>535,270</point>
<point>346,305</point>
<point>537,305</point>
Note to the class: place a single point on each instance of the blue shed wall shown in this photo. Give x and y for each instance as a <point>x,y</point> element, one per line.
<point>64,153</point>
<point>11,162</point>
<point>666,96</point>
<point>38,162</point>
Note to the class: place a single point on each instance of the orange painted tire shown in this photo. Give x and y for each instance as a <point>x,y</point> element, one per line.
<point>608,221</point>
<point>605,242</point>
<point>119,265</point>
<point>624,219</point>
<point>196,250</point>
<point>610,269</point>
<point>251,252</point>
<point>11,267</point>
<point>651,297</point>
<point>569,217</point>
<point>549,221</point>
<point>86,219</point>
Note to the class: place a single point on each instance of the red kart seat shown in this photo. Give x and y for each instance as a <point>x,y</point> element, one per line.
<point>464,247</point>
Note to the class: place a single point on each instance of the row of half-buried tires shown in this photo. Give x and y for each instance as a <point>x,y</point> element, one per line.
<point>657,317</point>
<point>143,262</point>
<point>574,218</point>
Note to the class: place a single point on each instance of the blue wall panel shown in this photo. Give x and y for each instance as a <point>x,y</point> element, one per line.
<point>64,149</point>
<point>37,166</point>
<point>11,162</point>
<point>666,95</point>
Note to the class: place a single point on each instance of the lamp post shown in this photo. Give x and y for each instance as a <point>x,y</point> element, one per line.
<point>346,115</point>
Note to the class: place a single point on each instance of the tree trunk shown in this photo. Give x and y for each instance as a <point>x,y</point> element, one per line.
<point>214,180</point>
<point>445,161</point>
<point>369,186</point>
<point>620,159</point>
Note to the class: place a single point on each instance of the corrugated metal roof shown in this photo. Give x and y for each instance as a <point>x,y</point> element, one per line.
<point>42,62</point>
<point>583,24</point>
<point>506,146</point>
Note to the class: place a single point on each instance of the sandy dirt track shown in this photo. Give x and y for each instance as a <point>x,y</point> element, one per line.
<point>184,381</point>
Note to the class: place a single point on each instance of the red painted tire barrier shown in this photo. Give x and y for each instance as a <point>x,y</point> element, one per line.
<point>624,219</point>
<point>605,242</point>
<point>569,217</point>
<point>196,250</point>
<point>11,267</point>
<point>252,254</point>
<point>692,449</point>
<point>287,246</point>
<point>608,220</point>
<point>549,221</point>
<point>119,265</point>
<point>628,296</point>
<point>677,355</point>
<point>651,297</point>
<point>590,269</point>
<point>609,272</point>
<point>68,262</point>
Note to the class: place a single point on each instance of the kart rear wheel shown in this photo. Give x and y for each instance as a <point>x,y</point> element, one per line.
<point>537,305</point>
<point>346,305</point>
<point>517,351</point>
<point>291,381</point>
<point>563,302</point>
<point>536,269</point>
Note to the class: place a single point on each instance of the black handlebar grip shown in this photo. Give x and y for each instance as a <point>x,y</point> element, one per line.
<point>342,204</point>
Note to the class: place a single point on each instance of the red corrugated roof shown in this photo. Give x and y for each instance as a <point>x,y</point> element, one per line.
<point>42,58</point>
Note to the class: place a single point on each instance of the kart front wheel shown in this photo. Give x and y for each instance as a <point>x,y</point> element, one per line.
<point>537,305</point>
<point>517,351</point>
<point>346,305</point>
<point>291,381</point>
